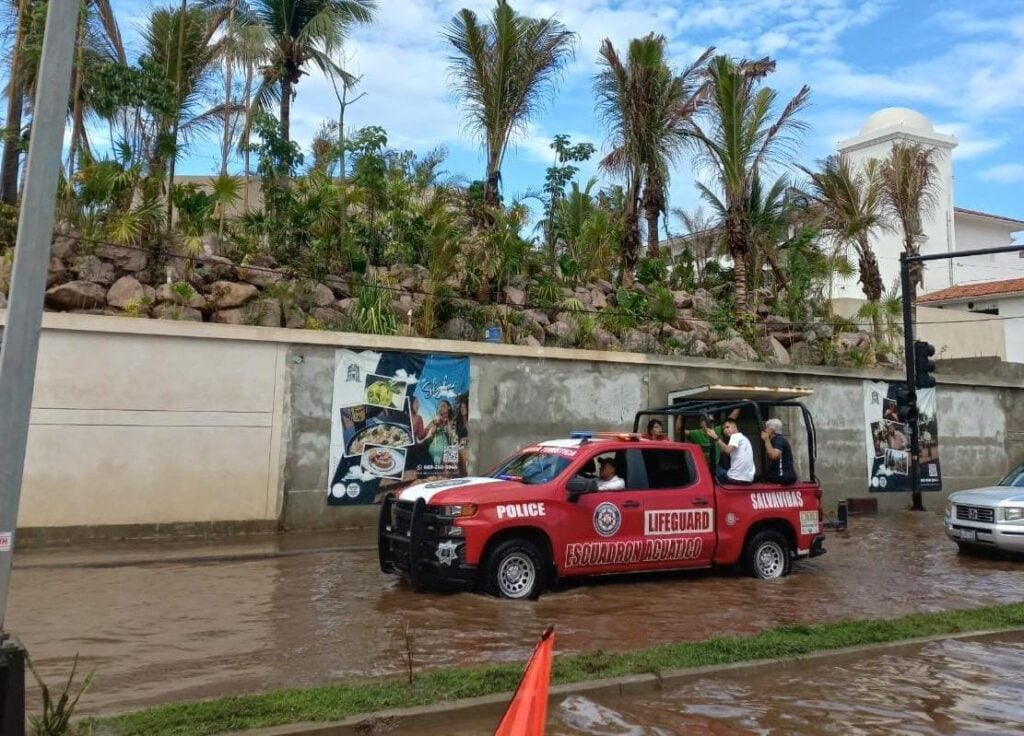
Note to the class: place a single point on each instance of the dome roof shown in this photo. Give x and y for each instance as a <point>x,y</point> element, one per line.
<point>897,116</point>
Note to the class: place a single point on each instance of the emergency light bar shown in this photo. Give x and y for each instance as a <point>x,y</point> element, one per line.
<point>589,435</point>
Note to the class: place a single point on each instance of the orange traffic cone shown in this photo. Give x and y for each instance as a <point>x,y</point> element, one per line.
<point>528,710</point>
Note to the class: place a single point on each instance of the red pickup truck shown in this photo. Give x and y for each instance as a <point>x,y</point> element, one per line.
<point>540,515</point>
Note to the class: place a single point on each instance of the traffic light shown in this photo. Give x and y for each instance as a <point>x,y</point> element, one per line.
<point>923,364</point>
<point>906,403</point>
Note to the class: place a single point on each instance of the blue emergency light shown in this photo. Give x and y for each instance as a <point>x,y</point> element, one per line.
<point>581,434</point>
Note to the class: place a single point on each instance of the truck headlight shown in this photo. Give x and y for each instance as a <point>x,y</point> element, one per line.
<point>950,509</point>
<point>460,511</point>
<point>1012,513</point>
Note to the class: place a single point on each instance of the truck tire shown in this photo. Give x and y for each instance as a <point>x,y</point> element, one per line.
<point>516,569</point>
<point>767,555</point>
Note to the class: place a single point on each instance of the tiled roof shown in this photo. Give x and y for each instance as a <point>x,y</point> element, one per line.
<point>967,291</point>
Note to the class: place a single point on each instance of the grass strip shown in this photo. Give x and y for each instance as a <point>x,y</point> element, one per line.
<point>337,701</point>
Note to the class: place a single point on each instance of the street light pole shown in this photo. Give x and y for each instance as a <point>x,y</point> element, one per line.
<point>31,260</point>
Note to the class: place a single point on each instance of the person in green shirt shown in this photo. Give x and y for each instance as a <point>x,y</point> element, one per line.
<point>701,437</point>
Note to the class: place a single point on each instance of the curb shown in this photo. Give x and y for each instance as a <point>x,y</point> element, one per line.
<point>420,717</point>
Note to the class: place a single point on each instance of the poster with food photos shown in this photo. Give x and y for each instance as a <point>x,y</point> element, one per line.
<point>396,418</point>
<point>888,440</point>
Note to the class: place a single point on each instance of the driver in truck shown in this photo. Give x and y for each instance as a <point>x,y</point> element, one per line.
<point>609,479</point>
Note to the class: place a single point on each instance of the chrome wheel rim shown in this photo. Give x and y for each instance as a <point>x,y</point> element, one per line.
<point>770,560</point>
<point>516,575</point>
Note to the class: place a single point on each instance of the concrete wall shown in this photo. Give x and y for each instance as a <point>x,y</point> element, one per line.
<point>143,425</point>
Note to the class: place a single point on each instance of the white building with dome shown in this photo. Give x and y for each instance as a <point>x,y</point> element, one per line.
<point>947,228</point>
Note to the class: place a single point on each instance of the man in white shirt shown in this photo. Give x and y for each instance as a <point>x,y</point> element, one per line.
<point>740,452</point>
<point>609,480</point>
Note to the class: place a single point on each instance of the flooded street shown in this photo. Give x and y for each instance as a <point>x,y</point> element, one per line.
<point>945,687</point>
<point>173,623</point>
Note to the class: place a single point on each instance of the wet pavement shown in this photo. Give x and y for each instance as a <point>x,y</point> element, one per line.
<point>944,687</point>
<point>198,621</point>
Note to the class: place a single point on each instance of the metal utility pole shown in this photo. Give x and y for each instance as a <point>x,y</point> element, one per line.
<point>25,315</point>
<point>908,345</point>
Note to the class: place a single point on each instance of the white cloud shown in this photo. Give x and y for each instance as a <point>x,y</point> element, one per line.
<point>1004,174</point>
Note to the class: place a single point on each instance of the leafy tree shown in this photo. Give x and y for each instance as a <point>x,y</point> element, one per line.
<point>298,34</point>
<point>847,203</point>
<point>645,105</point>
<point>737,135</point>
<point>502,69</point>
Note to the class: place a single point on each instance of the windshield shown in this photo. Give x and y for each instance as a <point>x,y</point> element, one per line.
<point>533,467</point>
<point>1015,478</point>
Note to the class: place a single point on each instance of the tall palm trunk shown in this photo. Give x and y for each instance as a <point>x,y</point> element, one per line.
<point>653,205</point>
<point>225,150</point>
<point>736,233</point>
<point>78,111</point>
<point>247,169</point>
<point>15,108</point>
<point>493,179</point>
<point>631,232</point>
<point>871,282</point>
<point>286,107</point>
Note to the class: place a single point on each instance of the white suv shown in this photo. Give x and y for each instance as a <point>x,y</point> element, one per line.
<point>989,517</point>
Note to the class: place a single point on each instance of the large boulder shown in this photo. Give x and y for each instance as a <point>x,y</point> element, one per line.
<point>229,294</point>
<point>345,305</point>
<point>260,276</point>
<point>605,286</point>
<point>323,296</point>
<point>56,272</point>
<point>515,296</point>
<point>91,268</point>
<point>294,317</point>
<point>165,293</point>
<point>805,353</point>
<point>851,340</point>
<point>456,329</point>
<point>700,329</point>
<point>235,316</point>
<point>604,340</point>
<point>682,300</point>
<point>787,338</point>
<point>774,351</point>
<point>328,317</point>
<point>338,285</point>
<point>540,318</point>
<point>598,300</point>
<point>635,341</point>
<point>265,313</point>
<point>124,258</point>
<point>177,312</point>
<point>584,296</point>
<point>63,247</point>
<point>125,291</point>
<point>559,330</point>
<point>701,300</point>
<point>736,348</point>
<point>77,295</point>
<point>216,267</point>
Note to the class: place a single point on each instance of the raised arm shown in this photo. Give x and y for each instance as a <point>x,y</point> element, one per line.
<point>769,449</point>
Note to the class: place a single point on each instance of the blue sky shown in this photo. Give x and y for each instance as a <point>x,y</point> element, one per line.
<point>959,63</point>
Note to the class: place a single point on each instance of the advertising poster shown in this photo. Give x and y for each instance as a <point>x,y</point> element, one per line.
<point>888,440</point>
<point>397,418</point>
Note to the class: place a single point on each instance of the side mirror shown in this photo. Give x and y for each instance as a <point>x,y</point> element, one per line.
<point>579,485</point>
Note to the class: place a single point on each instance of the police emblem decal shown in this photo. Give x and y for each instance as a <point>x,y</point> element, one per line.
<point>607,519</point>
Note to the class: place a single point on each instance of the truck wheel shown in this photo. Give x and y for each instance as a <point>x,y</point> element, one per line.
<point>767,555</point>
<point>515,569</point>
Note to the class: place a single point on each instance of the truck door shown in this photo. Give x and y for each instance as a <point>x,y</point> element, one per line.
<point>605,528</point>
<point>678,508</point>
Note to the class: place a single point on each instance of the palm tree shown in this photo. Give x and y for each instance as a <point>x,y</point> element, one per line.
<point>848,204</point>
<point>502,69</point>
<point>298,34</point>
<point>910,181</point>
<point>16,93</point>
<point>737,135</point>
<point>645,105</point>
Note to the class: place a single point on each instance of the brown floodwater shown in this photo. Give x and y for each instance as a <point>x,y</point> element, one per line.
<point>193,622</point>
<point>944,687</point>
